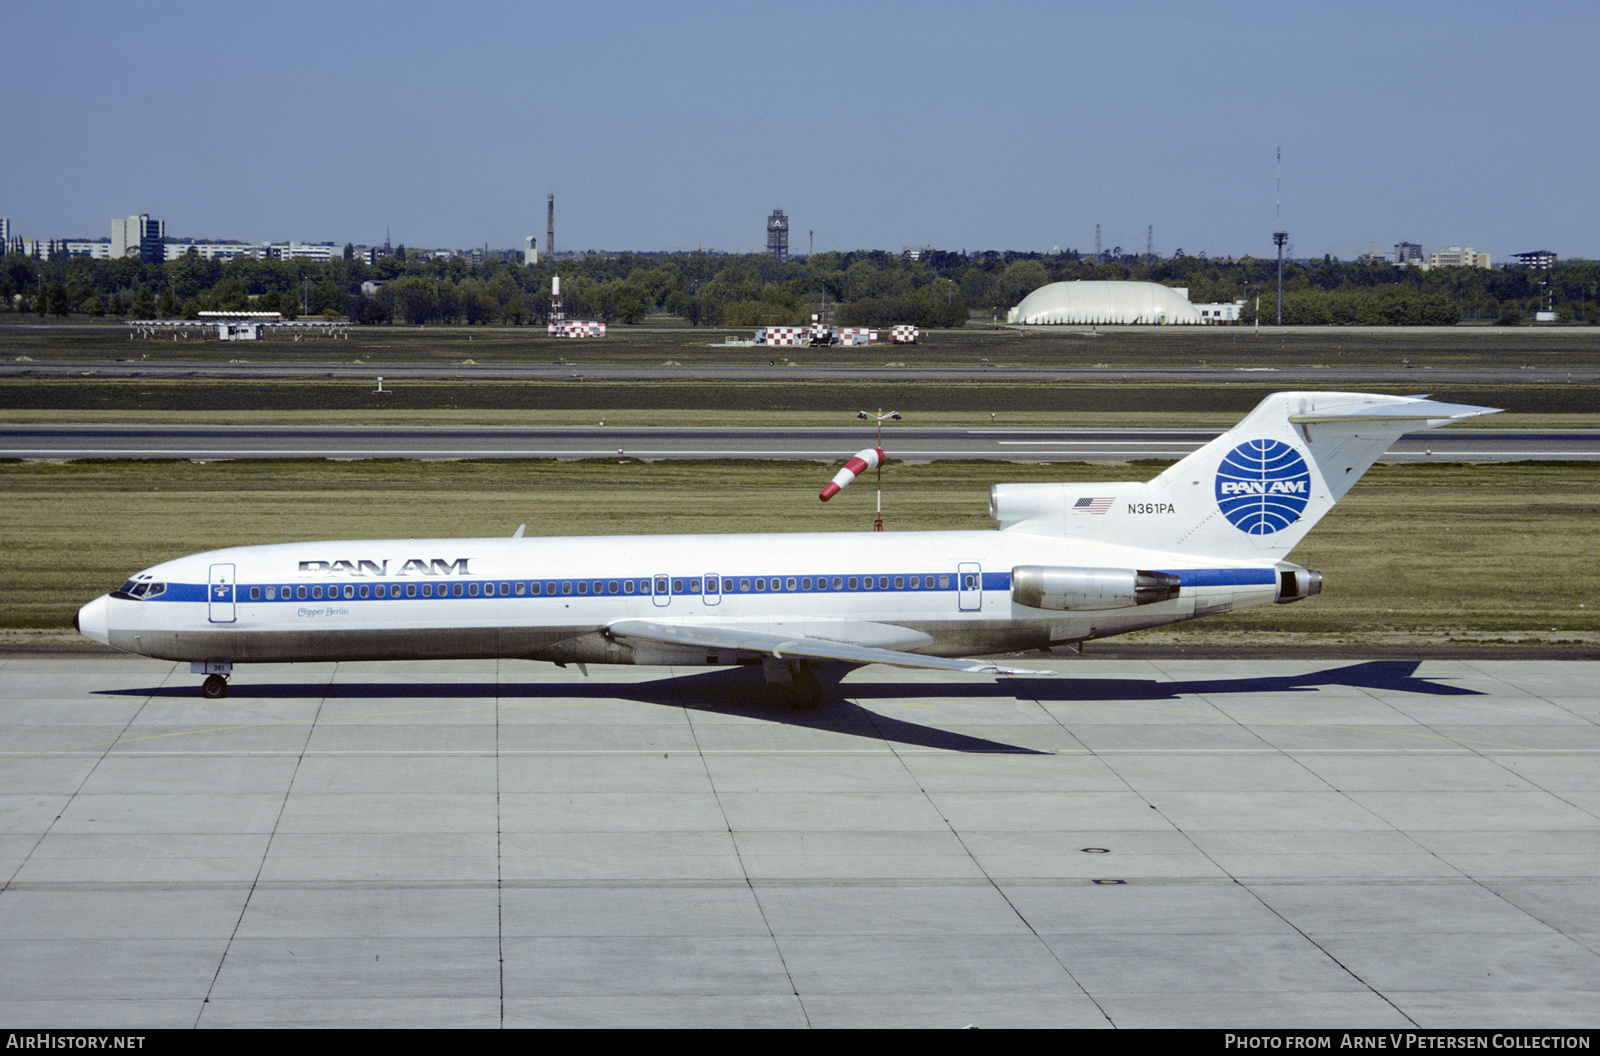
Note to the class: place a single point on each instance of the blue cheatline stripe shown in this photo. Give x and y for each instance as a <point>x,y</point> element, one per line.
<point>1221,577</point>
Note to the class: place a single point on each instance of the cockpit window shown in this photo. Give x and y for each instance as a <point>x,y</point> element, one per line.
<point>139,590</point>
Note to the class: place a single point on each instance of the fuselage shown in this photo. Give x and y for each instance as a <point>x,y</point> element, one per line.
<point>935,593</point>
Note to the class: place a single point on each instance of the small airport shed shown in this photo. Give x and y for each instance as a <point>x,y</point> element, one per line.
<point>1106,302</point>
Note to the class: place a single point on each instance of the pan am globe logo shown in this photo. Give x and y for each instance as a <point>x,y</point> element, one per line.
<point>1263,486</point>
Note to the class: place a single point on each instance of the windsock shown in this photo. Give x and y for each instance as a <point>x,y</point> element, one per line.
<point>870,458</point>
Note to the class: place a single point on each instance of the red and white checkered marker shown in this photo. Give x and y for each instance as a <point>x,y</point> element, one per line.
<point>869,458</point>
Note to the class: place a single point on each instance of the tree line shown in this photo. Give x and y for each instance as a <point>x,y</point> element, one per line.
<point>861,288</point>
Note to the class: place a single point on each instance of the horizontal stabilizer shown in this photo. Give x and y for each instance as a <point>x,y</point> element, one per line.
<point>1422,414</point>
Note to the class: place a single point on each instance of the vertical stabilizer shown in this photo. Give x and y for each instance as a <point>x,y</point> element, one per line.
<point>1253,492</point>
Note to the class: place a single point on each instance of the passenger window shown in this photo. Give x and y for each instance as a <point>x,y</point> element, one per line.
<point>627,586</point>
<point>744,585</point>
<point>852,582</point>
<point>472,589</point>
<point>661,585</point>
<point>899,582</point>
<point>349,590</point>
<point>790,583</point>
<point>364,590</point>
<point>521,587</point>
<point>300,592</point>
<point>272,593</point>
<point>255,593</point>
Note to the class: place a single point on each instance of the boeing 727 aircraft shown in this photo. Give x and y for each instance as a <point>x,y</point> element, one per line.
<point>1069,563</point>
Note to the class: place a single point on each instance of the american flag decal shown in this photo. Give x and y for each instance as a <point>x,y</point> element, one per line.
<point>1096,506</point>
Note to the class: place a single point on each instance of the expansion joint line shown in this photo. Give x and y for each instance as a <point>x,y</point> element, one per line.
<point>266,852</point>
<point>499,851</point>
<point>105,750</point>
<point>711,783</point>
<point>1253,893</point>
<point>990,880</point>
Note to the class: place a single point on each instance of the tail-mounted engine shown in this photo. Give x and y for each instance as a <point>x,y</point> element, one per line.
<point>1296,583</point>
<point>1089,589</point>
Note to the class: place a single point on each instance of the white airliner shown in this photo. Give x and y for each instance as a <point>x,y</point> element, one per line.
<point>1070,562</point>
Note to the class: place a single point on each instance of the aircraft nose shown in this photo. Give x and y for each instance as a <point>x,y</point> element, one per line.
<point>91,620</point>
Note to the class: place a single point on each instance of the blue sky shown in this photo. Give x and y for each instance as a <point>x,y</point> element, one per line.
<point>674,124</point>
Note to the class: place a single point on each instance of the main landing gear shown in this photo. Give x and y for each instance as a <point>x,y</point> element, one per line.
<point>794,682</point>
<point>215,687</point>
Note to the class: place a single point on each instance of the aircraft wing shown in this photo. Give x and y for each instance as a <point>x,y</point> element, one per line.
<point>796,646</point>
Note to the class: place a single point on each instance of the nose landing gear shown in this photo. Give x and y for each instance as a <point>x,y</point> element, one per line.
<point>215,687</point>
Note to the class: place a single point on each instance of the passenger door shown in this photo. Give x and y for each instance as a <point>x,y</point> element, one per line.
<point>221,594</point>
<point>969,585</point>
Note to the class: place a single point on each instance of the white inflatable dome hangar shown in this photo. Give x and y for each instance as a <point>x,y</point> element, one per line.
<point>1148,303</point>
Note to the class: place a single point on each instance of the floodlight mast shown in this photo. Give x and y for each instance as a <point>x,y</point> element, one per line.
<point>1279,238</point>
<point>880,418</point>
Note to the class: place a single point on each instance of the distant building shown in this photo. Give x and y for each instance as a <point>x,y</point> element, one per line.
<point>778,236</point>
<point>1220,314</point>
<point>96,250</point>
<point>1407,253</point>
<point>1539,258</point>
<point>1458,257</point>
<point>1107,302</point>
<point>139,236</point>
<point>211,250</point>
<point>304,251</point>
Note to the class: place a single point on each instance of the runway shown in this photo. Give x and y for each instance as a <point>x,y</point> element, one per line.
<point>1134,843</point>
<point>909,443</point>
<point>774,366</point>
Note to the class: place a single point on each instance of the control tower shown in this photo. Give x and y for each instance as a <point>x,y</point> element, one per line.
<point>778,236</point>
